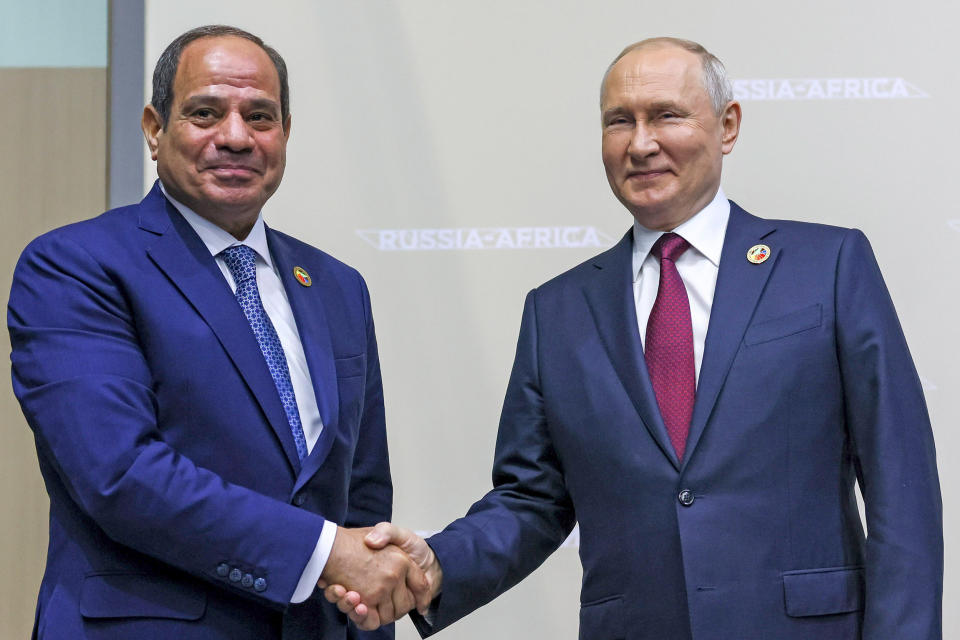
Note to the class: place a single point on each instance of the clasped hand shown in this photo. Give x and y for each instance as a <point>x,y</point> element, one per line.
<point>378,575</point>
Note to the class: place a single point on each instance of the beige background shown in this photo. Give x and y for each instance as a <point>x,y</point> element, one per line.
<point>429,114</point>
<point>52,171</point>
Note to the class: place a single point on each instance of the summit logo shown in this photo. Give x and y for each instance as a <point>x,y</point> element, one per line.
<point>826,89</point>
<point>474,238</point>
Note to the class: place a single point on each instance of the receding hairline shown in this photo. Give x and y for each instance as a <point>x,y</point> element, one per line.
<point>227,36</point>
<point>717,87</point>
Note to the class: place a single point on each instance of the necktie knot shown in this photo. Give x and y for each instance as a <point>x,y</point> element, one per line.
<point>669,246</point>
<point>241,260</point>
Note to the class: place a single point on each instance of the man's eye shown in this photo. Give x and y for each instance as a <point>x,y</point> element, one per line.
<point>203,113</point>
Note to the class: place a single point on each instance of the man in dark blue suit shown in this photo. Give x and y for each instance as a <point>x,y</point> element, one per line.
<point>204,391</point>
<point>703,398</point>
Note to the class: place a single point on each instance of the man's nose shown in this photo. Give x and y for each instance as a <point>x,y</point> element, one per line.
<point>234,133</point>
<point>643,142</point>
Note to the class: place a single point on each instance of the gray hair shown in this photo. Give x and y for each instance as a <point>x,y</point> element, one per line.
<point>166,69</point>
<point>715,79</point>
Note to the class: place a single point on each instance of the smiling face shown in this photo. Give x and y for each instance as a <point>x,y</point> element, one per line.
<point>223,150</point>
<point>663,142</point>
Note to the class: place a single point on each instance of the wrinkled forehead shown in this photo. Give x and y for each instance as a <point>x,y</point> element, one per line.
<point>656,67</point>
<point>229,61</point>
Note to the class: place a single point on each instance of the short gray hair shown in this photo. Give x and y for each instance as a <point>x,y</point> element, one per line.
<point>166,69</point>
<point>715,79</point>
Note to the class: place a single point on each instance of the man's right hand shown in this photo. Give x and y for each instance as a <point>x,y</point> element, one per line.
<point>384,578</point>
<point>363,612</point>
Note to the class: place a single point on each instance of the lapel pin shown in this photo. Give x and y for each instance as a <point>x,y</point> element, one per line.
<point>302,276</point>
<point>758,253</point>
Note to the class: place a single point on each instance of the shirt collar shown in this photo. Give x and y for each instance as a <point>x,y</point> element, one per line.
<point>217,239</point>
<point>704,231</point>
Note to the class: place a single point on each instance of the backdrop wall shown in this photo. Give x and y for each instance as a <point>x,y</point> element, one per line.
<point>450,151</point>
<point>53,57</point>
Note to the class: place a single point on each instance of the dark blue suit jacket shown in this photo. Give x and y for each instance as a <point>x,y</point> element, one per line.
<point>806,386</point>
<point>178,505</point>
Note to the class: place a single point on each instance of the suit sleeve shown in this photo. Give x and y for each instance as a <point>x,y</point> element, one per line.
<point>527,514</point>
<point>371,490</point>
<point>86,391</point>
<point>894,455</point>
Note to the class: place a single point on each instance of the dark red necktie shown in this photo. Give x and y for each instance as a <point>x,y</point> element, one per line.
<point>669,346</point>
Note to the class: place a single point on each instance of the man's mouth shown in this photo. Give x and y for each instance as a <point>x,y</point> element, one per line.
<point>646,174</point>
<point>232,170</point>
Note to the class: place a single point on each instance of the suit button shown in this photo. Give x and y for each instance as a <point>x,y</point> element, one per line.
<point>300,499</point>
<point>247,580</point>
<point>686,497</point>
<point>235,575</point>
<point>259,584</point>
<point>223,570</point>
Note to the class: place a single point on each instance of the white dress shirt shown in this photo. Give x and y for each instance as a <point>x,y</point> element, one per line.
<point>277,306</point>
<point>698,267</point>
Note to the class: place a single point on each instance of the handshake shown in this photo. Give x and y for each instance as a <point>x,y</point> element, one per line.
<point>377,575</point>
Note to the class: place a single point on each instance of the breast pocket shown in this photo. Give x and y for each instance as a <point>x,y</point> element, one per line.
<point>603,619</point>
<point>350,366</point>
<point>786,325</point>
<point>350,387</point>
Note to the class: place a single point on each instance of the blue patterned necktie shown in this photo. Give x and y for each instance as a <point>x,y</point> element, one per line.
<point>241,260</point>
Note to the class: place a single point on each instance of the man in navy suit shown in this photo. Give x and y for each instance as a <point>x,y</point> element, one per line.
<point>204,391</point>
<point>703,399</point>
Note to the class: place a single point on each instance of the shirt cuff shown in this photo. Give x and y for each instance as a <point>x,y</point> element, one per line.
<point>316,563</point>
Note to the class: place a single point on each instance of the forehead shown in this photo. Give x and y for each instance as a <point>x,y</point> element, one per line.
<point>656,71</point>
<point>227,62</point>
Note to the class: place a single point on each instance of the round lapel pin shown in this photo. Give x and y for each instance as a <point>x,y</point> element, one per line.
<point>758,253</point>
<point>302,276</point>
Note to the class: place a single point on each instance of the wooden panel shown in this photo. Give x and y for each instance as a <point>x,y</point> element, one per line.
<point>52,172</point>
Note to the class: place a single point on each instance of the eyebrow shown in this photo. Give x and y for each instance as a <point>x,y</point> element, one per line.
<point>614,111</point>
<point>265,104</point>
<point>653,107</point>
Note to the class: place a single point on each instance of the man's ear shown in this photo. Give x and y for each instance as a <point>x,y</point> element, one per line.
<point>152,125</point>
<point>730,121</point>
<point>286,127</point>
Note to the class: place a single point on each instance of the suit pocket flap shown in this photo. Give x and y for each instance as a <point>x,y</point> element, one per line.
<point>786,325</point>
<point>126,595</point>
<point>350,367</point>
<point>820,592</point>
<point>603,620</point>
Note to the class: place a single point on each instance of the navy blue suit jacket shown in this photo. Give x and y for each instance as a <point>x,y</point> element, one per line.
<point>806,387</point>
<point>178,505</point>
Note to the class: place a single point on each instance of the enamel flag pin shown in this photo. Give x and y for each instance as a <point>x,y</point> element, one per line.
<point>758,253</point>
<point>302,276</point>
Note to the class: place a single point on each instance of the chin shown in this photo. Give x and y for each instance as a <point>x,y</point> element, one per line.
<point>646,207</point>
<point>234,197</point>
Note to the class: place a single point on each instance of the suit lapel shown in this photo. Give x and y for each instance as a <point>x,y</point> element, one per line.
<point>182,256</point>
<point>739,286</point>
<point>313,326</point>
<point>610,298</point>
